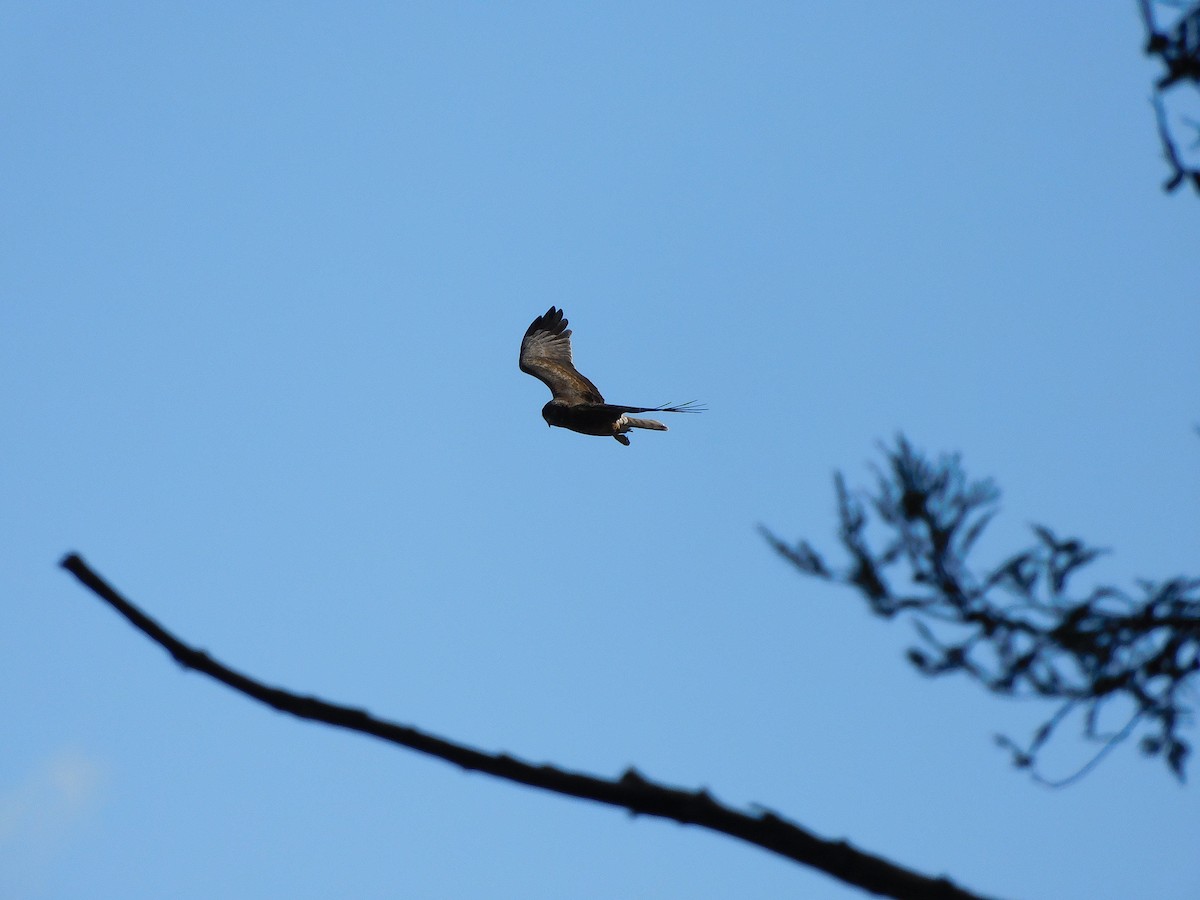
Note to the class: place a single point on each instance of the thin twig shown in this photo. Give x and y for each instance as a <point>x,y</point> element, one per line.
<point>1170,153</point>
<point>1017,629</point>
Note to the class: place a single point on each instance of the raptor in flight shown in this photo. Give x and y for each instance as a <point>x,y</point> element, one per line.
<point>575,403</point>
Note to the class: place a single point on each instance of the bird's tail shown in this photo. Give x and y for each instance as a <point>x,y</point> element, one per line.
<point>649,424</point>
<point>625,423</point>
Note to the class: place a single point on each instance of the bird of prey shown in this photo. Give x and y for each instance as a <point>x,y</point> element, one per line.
<point>575,403</point>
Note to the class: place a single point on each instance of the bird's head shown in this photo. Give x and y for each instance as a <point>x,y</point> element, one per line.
<point>551,413</point>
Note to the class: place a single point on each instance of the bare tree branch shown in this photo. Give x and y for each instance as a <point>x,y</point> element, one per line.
<point>1018,629</point>
<point>631,791</point>
<point>1177,46</point>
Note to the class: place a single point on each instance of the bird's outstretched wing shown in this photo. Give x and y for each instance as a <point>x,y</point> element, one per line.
<point>546,355</point>
<point>692,406</point>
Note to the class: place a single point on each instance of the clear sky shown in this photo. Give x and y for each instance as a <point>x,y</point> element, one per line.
<point>265,271</point>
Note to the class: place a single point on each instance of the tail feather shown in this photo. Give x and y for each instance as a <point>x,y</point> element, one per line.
<point>649,424</point>
<point>626,422</point>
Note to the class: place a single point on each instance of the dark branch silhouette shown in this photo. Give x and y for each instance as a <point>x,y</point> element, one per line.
<point>1177,46</point>
<point>631,791</point>
<point>1019,629</point>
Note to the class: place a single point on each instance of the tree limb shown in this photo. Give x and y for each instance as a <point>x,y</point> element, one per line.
<point>631,791</point>
<point>1018,629</point>
<point>1177,46</point>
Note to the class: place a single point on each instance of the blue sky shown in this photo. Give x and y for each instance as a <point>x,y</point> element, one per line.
<point>266,271</point>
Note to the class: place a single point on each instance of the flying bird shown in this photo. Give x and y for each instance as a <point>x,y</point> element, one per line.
<point>575,402</point>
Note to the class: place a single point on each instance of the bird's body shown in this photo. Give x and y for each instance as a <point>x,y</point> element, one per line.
<point>576,403</point>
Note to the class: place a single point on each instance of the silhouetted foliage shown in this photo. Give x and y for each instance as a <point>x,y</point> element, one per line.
<point>1177,45</point>
<point>1020,629</point>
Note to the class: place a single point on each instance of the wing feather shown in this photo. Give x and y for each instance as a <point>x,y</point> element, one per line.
<point>692,406</point>
<point>546,355</point>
